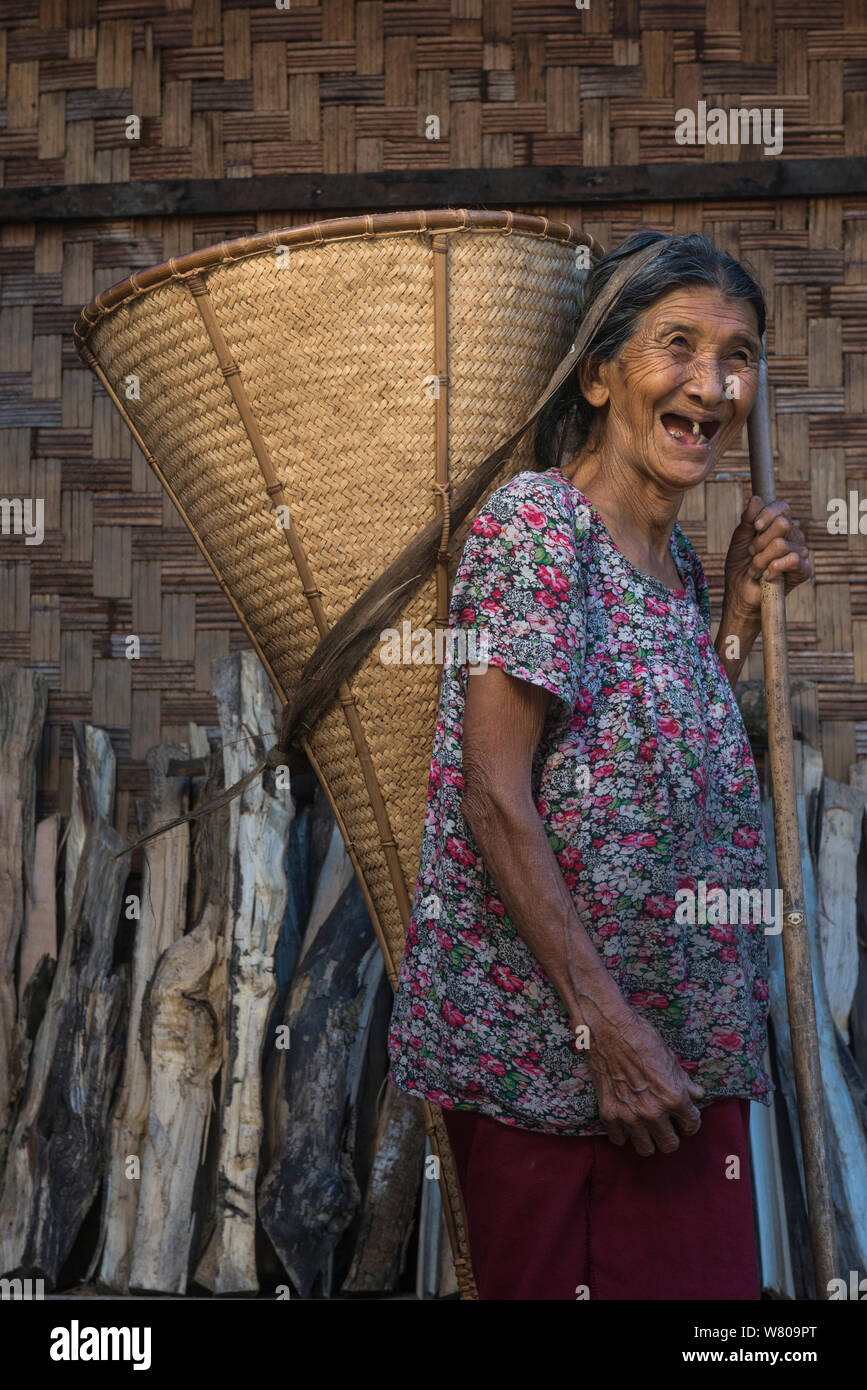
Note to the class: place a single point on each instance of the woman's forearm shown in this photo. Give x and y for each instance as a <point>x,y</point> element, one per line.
<point>734,641</point>
<point>525,872</point>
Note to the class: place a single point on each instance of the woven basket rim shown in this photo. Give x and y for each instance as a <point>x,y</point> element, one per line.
<point>365,226</point>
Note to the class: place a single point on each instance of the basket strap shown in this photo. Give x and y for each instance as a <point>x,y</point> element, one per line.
<point>348,642</point>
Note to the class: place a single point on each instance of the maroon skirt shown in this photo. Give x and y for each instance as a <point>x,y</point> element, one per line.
<point>554,1216</point>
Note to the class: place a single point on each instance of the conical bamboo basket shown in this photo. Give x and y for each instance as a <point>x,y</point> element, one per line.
<point>307,397</point>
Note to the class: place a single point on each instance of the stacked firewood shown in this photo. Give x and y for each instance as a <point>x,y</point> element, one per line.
<point>833,836</point>
<point>192,1038</point>
<point>834,856</point>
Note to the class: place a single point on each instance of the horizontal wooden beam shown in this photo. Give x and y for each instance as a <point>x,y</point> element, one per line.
<point>420,188</point>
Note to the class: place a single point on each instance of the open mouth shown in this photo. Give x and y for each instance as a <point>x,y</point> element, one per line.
<point>690,432</point>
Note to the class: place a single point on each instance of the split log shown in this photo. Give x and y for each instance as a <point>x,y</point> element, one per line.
<point>847,1144</point>
<point>858,774</point>
<point>93,787</point>
<point>436,1276</point>
<point>310,840</point>
<point>309,1195</point>
<point>37,959</point>
<point>209,835</point>
<point>39,933</point>
<point>775,1257</point>
<point>388,1213</point>
<point>430,1233</point>
<point>56,1150</point>
<point>331,873</point>
<point>23,696</point>
<point>260,822</point>
<point>808,773</point>
<point>160,924</point>
<point>182,1041</point>
<point>784,1105</point>
<point>300,895</point>
<point>335,875</point>
<point>31,1012</point>
<point>209,900</point>
<point>182,1037</point>
<point>855,1080</point>
<point>368,1136</point>
<point>322,842</point>
<point>836,888</point>
<point>347,1146</point>
<point>301,871</point>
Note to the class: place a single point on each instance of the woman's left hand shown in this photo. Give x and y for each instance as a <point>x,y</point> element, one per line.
<point>767,542</point>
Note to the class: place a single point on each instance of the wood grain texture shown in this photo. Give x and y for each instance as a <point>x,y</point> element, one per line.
<point>182,1037</point>
<point>55,1152</point>
<point>259,825</point>
<point>847,1146</point>
<point>160,924</point>
<point>39,931</point>
<point>388,1209</point>
<point>22,710</point>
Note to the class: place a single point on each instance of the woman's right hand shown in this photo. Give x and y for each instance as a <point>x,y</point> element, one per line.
<point>641,1086</point>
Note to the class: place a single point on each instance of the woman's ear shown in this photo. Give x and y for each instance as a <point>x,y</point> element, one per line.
<point>593,381</point>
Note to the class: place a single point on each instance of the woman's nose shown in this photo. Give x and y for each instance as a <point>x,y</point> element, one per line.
<point>707,382</point>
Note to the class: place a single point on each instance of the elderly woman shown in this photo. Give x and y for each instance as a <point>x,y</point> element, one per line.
<point>594,1036</point>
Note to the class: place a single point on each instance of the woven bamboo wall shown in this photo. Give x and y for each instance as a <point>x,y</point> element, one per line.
<point>243,89</point>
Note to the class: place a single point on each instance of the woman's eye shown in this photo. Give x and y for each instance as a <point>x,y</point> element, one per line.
<point>679,341</point>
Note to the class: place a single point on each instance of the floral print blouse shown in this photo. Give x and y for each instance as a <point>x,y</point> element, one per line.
<point>646,786</point>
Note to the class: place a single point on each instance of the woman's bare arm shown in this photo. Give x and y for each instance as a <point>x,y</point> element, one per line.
<point>503,722</point>
<point>734,642</point>
<point>639,1082</point>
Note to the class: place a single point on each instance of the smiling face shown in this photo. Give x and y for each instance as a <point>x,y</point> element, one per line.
<point>680,390</point>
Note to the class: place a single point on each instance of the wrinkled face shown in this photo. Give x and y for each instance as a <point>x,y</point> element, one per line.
<point>682,387</point>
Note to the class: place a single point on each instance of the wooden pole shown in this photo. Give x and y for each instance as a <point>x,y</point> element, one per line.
<point>795,937</point>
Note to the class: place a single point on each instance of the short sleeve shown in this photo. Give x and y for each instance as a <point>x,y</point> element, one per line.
<point>519,587</point>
